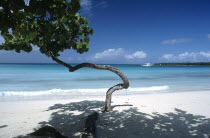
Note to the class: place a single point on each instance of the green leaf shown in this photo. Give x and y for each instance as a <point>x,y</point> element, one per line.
<point>52,25</point>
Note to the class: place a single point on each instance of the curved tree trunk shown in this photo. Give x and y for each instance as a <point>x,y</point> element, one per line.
<point>120,86</point>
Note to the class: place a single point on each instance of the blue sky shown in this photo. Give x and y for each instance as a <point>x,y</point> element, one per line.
<point>138,31</point>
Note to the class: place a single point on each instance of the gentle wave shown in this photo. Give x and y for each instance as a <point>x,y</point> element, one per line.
<point>80,91</point>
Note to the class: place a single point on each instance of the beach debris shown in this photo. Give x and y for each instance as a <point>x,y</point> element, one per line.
<point>3,126</point>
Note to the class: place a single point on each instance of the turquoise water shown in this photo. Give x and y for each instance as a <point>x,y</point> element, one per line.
<point>49,79</point>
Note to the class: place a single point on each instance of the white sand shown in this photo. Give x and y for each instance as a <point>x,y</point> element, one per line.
<point>153,115</point>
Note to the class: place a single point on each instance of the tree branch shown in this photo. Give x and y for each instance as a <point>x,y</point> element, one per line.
<point>120,86</point>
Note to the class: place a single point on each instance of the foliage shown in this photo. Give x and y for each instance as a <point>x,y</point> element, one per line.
<point>51,25</point>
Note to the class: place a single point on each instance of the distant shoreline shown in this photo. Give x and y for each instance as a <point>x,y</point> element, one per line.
<point>73,64</point>
<point>184,64</point>
<point>155,64</point>
<point>58,64</point>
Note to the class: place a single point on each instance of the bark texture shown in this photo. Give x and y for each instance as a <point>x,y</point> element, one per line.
<point>120,86</point>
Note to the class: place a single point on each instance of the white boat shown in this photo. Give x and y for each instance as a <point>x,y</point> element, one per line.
<point>147,65</point>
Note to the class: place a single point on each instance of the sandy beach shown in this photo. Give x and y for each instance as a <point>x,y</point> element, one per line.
<point>183,114</point>
<point>64,62</point>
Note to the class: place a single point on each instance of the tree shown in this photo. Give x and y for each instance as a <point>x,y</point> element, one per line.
<point>53,26</point>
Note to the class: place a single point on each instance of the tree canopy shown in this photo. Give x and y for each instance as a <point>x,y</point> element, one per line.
<point>51,25</point>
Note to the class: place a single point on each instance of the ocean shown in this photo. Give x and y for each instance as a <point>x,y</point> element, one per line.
<point>29,80</point>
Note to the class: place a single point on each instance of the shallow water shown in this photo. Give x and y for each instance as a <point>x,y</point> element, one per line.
<point>33,80</point>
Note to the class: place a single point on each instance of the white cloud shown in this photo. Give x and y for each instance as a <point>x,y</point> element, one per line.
<point>208,36</point>
<point>187,57</point>
<point>102,4</point>
<point>118,55</point>
<point>88,5</point>
<point>136,55</point>
<point>167,56</point>
<point>205,54</point>
<point>176,41</point>
<point>110,53</point>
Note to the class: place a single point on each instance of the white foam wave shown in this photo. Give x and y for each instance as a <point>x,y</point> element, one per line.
<point>81,91</point>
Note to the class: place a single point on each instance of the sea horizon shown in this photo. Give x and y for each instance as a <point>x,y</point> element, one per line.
<point>23,80</point>
<point>153,63</point>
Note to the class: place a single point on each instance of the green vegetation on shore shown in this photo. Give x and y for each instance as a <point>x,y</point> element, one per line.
<point>185,64</point>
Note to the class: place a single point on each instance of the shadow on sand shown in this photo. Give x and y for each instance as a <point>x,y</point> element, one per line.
<point>134,124</point>
<point>69,119</point>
